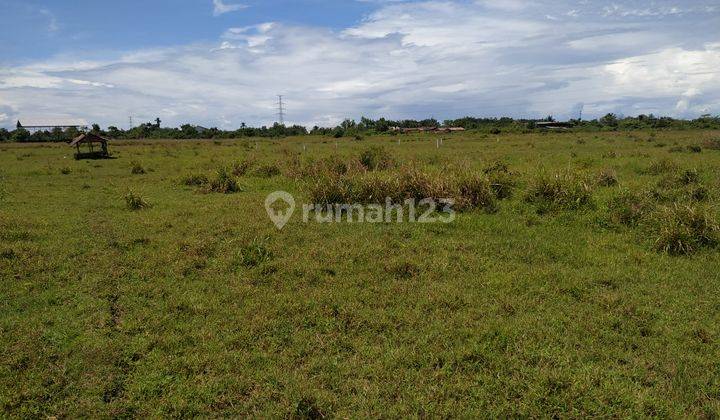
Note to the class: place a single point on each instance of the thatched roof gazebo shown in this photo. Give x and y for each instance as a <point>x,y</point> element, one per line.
<point>92,141</point>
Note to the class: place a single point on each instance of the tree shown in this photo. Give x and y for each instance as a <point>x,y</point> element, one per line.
<point>95,128</point>
<point>18,125</point>
<point>157,122</point>
<point>4,135</point>
<point>20,135</point>
<point>609,120</point>
<point>114,132</point>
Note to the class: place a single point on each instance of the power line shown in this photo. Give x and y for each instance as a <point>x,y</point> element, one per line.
<point>281,110</point>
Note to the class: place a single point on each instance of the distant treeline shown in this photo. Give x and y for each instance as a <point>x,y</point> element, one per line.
<point>350,128</point>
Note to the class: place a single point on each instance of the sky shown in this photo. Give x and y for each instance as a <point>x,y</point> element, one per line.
<point>219,63</point>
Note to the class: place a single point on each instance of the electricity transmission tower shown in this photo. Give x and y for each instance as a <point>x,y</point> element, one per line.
<point>281,110</point>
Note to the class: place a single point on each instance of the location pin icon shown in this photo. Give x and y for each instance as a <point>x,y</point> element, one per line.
<point>279,217</point>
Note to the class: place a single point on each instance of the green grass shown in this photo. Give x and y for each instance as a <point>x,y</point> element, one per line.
<point>560,302</point>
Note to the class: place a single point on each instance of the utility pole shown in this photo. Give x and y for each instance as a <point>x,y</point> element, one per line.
<point>131,122</point>
<point>281,110</point>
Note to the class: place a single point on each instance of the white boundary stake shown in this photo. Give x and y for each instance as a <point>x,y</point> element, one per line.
<point>437,143</point>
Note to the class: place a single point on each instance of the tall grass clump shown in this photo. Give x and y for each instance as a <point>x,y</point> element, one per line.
<point>475,191</point>
<point>660,167</point>
<point>502,181</point>
<point>223,182</point>
<point>376,159</point>
<point>712,144</point>
<point>137,168</point>
<point>684,229</point>
<point>607,178</point>
<point>468,191</point>
<point>630,208</point>
<point>194,180</point>
<point>242,167</point>
<point>267,170</point>
<point>135,201</point>
<point>560,191</point>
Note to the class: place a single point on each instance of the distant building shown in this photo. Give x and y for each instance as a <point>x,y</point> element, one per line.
<point>34,127</point>
<point>554,125</point>
<point>428,130</point>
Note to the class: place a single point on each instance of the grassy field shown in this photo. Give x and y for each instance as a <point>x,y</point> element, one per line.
<point>128,291</point>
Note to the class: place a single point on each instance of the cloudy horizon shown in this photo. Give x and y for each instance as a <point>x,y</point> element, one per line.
<point>221,63</point>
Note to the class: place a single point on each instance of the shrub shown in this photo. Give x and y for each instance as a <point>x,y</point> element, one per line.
<point>65,170</point>
<point>607,178</point>
<point>376,158</point>
<point>223,183</point>
<point>254,254</point>
<point>267,171</point>
<point>135,201</point>
<point>694,149</point>
<point>562,191</point>
<point>194,180</point>
<point>684,229</point>
<point>137,168</point>
<point>241,168</point>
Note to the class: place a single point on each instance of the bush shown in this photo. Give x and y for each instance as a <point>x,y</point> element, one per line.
<point>65,170</point>
<point>376,158</point>
<point>194,180</point>
<point>223,183</point>
<point>607,178</point>
<point>137,168</point>
<point>694,149</point>
<point>135,201</point>
<point>562,191</point>
<point>684,229</point>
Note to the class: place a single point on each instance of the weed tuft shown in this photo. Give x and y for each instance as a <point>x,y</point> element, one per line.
<point>135,201</point>
<point>254,254</point>
<point>65,170</point>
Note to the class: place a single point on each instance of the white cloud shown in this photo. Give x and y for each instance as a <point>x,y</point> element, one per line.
<point>405,60</point>
<point>220,8</point>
